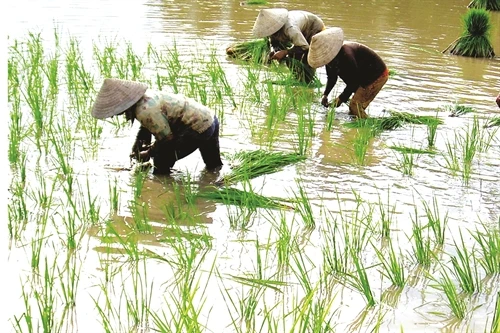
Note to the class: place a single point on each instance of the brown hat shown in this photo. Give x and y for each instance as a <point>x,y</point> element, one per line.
<point>117,96</point>
<point>269,21</point>
<point>325,46</point>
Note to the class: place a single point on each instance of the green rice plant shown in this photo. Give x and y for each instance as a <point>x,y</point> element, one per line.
<point>495,121</point>
<point>255,51</point>
<point>255,2</point>
<point>139,211</point>
<point>434,221</point>
<point>451,156</point>
<point>410,150</point>
<point>485,4</point>
<point>470,145</point>
<point>284,240</point>
<point>330,118</point>
<point>251,83</point>
<point>431,135</point>
<point>252,164</point>
<point>114,196</point>
<point>106,58</point>
<point>457,110</point>
<point>475,38</point>
<point>495,323</point>
<point>488,240</point>
<point>407,163</point>
<point>27,314</point>
<point>37,244</point>
<point>421,246</point>
<point>219,81</point>
<point>69,278</point>
<point>305,130</point>
<point>465,267</point>
<point>135,63</point>
<point>387,213</point>
<point>139,177</point>
<point>300,267</point>
<point>392,265</point>
<point>139,302</point>
<point>335,258</point>
<point>455,300</point>
<point>359,279</point>
<point>46,299</point>
<point>360,145</point>
<point>128,243</point>
<point>170,64</point>
<point>303,206</point>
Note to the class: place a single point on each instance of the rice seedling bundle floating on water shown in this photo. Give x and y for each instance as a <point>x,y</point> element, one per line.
<point>485,4</point>
<point>255,50</point>
<point>252,164</point>
<point>395,120</point>
<point>233,196</point>
<point>495,121</point>
<point>475,39</point>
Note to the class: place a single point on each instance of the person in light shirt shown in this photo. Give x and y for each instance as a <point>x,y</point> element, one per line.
<point>180,125</point>
<point>290,33</point>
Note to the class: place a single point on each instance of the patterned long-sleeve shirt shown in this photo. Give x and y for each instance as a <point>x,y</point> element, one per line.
<point>165,115</point>
<point>298,30</point>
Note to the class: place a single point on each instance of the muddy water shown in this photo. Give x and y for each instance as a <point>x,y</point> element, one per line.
<point>409,35</point>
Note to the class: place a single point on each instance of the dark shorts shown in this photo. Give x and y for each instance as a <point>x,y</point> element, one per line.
<point>185,143</point>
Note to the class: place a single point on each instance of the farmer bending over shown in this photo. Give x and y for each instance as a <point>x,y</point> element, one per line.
<point>179,124</point>
<point>361,69</point>
<point>285,27</point>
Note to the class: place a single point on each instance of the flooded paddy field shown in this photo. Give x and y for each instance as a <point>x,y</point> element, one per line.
<point>388,231</point>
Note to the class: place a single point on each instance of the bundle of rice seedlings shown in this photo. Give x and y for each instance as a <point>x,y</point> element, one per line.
<point>255,50</point>
<point>395,120</point>
<point>249,199</point>
<point>485,4</point>
<point>458,110</point>
<point>251,164</point>
<point>495,121</point>
<point>475,39</point>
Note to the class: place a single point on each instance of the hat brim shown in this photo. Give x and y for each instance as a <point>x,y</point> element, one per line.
<point>325,46</point>
<point>116,96</point>
<point>269,21</point>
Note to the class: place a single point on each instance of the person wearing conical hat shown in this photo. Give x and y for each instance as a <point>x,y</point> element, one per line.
<point>180,125</point>
<point>362,69</point>
<point>284,27</point>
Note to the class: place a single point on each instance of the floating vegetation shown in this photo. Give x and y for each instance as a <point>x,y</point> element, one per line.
<point>253,2</point>
<point>409,150</point>
<point>458,110</point>
<point>485,4</point>
<point>395,120</point>
<point>251,164</point>
<point>475,39</point>
<point>255,50</point>
<point>495,121</point>
<point>250,199</point>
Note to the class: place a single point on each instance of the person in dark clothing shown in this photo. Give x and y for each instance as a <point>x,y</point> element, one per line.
<point>362,69</point>
<point>290,33</point>
<point>179,124</point>
<point>498,100</point>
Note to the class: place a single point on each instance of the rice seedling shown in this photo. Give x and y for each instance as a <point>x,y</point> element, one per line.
<point>170,64</point>
<point>106,58</point>
<point>305,130</point>
<point>252,164</point>
<point>219,82</point>
<point>330,118</point>
<point>251,83</point>
<point>359,279</point>
<point>465,267</point>
<point>455,301</point>
<point>255,51</point>
<point>407,161</point>
<point>457,110</point>
<point>495,323</point>
<point>139,303</point>
<point>360,145</point>
<point>470,145</point>
<point>488,240</point>
<point>485,4</point>
<point>451,155</point>
<point>46,299</point>
<point>114,196</point>
<point>421,243</point>
<point>27,314</point>
<point>69,279</point>
<point>386,216</point>
<point>434,221</point>
<point>431,135</point>
<point>392,265</point>
<point>475,38</point>
<point>495,121</point>
<point>303,206</point>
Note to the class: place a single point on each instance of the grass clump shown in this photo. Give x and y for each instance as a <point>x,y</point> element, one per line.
<point>255,50</point>
<point>475,38</point>
<point>257,163</point>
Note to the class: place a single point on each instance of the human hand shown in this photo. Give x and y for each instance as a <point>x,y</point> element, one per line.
<point>279,55</point>
<point>324,101</point>
<point>145,155</point>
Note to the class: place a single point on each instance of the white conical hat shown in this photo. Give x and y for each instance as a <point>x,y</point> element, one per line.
<point>325,46</point>
<point>269,21</point>
<point>117,96</point>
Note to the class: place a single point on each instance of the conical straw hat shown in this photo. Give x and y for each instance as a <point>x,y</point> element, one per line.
<point>117,96</point>
<point>269,21</point>
<point>325,46</point>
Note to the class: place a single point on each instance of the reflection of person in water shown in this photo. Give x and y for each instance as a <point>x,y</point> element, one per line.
<point>179,124</point>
